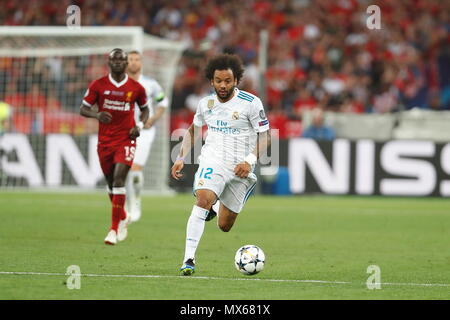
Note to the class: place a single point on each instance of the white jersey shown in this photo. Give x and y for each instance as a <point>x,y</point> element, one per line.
<point>155,96</point>
<point>232,127</point>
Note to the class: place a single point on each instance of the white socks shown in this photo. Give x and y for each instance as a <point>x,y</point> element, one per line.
<point>216,207</point>
<point>134,184</point>
<point>194,231</point>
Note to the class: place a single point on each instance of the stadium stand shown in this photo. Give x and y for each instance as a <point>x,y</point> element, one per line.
<point>325,56</point>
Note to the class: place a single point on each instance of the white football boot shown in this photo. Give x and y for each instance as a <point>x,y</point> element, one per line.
<point>135,213</point>
<point>122,230</point>
<point>111,238</point>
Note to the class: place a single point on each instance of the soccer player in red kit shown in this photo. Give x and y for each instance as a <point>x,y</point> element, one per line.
<point>116,95</point>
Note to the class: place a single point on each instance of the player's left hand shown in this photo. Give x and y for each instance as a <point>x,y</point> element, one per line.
<point>242,169</point>
<point>135,132</point>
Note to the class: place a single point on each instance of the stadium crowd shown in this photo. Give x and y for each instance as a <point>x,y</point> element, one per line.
<point>321,53</point>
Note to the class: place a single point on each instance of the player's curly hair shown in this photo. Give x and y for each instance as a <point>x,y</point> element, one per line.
<point>223,62</point>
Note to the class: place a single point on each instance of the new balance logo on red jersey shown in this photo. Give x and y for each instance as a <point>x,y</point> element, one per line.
<point>115,93</point>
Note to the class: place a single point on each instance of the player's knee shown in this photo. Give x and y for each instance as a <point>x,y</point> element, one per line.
<point>203,203</point>
<point>225,227</point>
<point>119,183</point>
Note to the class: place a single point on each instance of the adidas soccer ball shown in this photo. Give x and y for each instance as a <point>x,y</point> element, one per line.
<point>249,259</point>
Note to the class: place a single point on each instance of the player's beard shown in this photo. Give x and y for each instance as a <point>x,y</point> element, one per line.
<point>224,96</point>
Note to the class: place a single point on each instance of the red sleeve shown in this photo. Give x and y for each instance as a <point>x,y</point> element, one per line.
<point>91,96</point>
<point>142,97</point>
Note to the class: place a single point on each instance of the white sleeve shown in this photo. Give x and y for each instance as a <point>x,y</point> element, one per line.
<point>199,120</point>
<point>158,96</point>
<point>258,117</point>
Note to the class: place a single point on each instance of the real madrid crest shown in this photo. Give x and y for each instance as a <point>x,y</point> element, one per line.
<point>235,115</point>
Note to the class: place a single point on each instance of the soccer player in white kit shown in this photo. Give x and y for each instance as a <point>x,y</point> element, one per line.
<point>158,105</point>
<point>238,133</point>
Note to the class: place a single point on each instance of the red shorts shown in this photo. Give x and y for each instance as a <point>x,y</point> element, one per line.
<point>121,153</point>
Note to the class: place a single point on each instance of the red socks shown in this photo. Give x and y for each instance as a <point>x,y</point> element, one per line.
<point>118,202</point>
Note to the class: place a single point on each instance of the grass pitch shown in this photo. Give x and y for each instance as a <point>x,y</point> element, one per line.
<point>317,247</point>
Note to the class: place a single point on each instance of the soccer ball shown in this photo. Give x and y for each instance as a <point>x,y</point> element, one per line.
<point>249,259</point>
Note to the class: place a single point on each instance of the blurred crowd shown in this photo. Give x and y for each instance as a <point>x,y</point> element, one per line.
<point>45,93</point>
<point>321,53</point>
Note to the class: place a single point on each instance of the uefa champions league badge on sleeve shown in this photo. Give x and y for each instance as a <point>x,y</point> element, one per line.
<point>262,115</point>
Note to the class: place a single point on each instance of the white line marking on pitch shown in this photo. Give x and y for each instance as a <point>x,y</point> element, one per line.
<point>215,278</point>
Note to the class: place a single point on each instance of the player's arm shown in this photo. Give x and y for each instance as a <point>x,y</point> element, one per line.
<point>260,124</point>
<point>263,144</point>
<point>191,135</point>
<point>136,130</point>
<point>161,103</point>
<point>152,120</point>
<point>103,116</point>
<point>145,112</point>
<point>243,169</point>
<point>90,98</point>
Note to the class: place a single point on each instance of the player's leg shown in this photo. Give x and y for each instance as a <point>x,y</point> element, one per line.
<point>134,184</point>
<point>233,199</point>
<point>106,157</point>
<point>135,180</point>
<point>213,211</point>
<point>120,218</point>
<point>208,184</point>
<point>118,191</point>
<point>118,225</point>
<point>195,227</point>
<point>226,218</point>
<point>109,187</point>
<point>123,159</point>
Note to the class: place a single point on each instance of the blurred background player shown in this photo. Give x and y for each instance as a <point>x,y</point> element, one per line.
<point>158,104</point>
<point>116,95</point>
<point>238,133</point>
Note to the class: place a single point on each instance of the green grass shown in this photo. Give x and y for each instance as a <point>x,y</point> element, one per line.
<point>304,238</point>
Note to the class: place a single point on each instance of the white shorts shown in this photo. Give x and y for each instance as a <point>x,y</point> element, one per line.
<point>144,143</point>
<point>231,190</point>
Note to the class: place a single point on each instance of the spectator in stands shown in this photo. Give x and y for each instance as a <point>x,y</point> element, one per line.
<point>435,103</point>
<point>386,100</point>
<point>192,100</point>
<point>323,46</point>
<point>304,101</point>
<point>318,130</point>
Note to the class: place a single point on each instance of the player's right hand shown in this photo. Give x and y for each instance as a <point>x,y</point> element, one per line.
<point>176,169</point>
<point>104,117</point>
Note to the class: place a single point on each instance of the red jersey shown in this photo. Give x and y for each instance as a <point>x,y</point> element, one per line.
<point>118,99</point>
